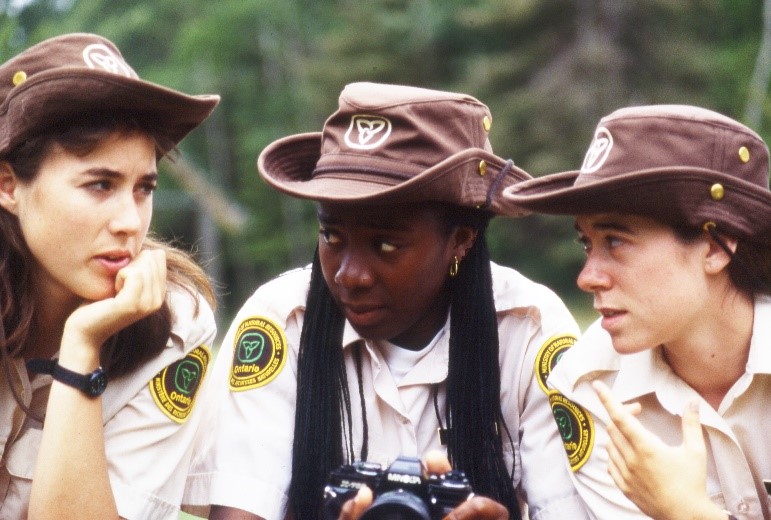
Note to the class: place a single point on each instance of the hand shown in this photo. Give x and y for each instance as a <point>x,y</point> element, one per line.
<point>665,482</point>
<point>140,289</point>
<point>475,508</point>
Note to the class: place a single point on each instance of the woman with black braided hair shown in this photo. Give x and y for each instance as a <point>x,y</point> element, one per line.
<point>402,337</point>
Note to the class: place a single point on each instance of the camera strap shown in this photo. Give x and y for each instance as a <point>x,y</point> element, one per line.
<point>442,431</point>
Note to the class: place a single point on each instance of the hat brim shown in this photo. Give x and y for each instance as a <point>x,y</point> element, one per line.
<point>677,196</point>
<point>288,165</point>
<point>49,97</point>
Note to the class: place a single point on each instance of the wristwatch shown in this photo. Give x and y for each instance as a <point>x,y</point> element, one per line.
<point>91,384</point>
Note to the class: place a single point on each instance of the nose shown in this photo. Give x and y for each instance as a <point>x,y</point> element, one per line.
<point>354,271</point>
<point>128,215</point>
<point>593,277</point>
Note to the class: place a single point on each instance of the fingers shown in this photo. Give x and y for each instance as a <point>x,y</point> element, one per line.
<point>141,285</point>
<point>693,438</point>
<point>354,508</point>
<point>479,508</point>
<point>141,290</point>
<point>437,462</point>
<point>621,416</point>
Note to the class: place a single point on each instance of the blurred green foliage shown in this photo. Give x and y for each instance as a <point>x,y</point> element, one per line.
<point>548,69</point>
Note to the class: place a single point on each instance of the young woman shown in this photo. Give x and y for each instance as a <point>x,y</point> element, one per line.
<point>673,208</point>
<point>104,331</point>
<point>402,337</point>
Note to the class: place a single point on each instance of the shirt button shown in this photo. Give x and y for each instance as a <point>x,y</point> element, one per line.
<point>742,507</point>
<point>403,420</point>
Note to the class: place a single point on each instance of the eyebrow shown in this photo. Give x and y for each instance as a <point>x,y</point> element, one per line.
<point>112,174</point>
<point>605,226</point>
<point>384,225</point>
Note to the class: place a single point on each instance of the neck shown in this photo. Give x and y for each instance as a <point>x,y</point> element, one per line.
<point>52,309</point>
<point>714,355</point>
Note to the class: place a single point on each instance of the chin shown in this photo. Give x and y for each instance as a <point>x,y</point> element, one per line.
<point>628,346</point>
<point>97,292</point>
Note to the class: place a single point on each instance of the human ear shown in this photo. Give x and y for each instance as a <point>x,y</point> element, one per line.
<point>8,183</point>
<point>716,257</point>
<point>463,239</point>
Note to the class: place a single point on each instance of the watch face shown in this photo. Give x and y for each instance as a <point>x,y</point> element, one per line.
<point>97,382</point>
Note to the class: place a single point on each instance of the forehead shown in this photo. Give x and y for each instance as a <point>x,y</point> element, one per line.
<point>618,222</point>
<point>390,216</point>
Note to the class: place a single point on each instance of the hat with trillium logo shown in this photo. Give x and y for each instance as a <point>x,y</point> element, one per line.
<point>80,73</point>
<point>680,164</point>
<point>395,144</point>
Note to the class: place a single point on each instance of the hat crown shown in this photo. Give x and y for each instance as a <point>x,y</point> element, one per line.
<point>400,130</point>
<point>79,75</point>
<point>678,138</point>
<point>70,51</point>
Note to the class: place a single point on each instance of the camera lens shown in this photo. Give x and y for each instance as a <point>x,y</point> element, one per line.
<point>397,505</point>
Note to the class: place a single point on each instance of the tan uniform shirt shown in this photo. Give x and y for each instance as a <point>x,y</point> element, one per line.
<point>736,435</point>
<point>149,423</point>
<point>247,452</point>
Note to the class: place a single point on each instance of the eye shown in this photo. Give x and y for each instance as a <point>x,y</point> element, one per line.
<point>329,237</point>
<point>148,187</point>
<point>386,247</point>
<point>613,241</point>
<point>100,185</point>
<point>585,243</point>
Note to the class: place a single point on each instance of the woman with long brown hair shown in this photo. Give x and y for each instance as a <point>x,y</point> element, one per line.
<point>105,331</point>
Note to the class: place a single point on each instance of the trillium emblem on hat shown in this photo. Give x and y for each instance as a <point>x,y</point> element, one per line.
<point>98,55</point>
<point>367,132</point>
<point>598,151</point>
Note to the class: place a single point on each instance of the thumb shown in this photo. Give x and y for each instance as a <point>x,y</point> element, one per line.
<point>692,435</point>
<point>437,462</point>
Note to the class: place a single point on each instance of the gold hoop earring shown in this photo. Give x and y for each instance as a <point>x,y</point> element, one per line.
<point>454,267</point>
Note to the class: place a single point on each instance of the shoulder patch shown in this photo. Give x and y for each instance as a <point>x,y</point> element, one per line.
<point>259,354</point>
<point>576,428</point>
<point>549,354</point>
<point>174,388</point>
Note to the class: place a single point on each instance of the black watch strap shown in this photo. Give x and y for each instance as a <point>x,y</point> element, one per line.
<point>91,384</point>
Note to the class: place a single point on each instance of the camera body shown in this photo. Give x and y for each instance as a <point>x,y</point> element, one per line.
<point>401,492</point>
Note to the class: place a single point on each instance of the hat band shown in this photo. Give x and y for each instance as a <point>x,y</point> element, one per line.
<point>366,172</point>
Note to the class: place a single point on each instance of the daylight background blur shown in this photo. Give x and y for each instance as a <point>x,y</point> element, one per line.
<point>548,69</point>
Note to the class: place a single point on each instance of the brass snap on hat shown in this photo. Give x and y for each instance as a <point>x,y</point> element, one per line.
<point>680,164</point>
<point>394,144</point>
<point>78,73</point>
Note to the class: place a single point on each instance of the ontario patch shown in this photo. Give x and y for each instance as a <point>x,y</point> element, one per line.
<point>174,388</point>
<point>259,354</point>
<point>576,428</point>
<point>549,354</point>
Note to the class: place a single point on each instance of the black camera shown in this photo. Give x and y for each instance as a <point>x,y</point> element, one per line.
<point>402,492</point>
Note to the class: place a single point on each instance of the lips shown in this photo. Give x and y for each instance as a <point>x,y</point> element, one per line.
<point>610,317</point>
<point>363,315</point>
<point>113,261</point>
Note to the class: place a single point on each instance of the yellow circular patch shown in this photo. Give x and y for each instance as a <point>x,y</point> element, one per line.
<point>576,428</point>
<point>259,354</point>
<point>549,354</point>
<point>174,388</point>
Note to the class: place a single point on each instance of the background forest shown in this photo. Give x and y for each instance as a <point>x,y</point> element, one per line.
<point>548,69</point>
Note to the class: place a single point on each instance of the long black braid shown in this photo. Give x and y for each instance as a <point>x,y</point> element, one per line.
<point>323,411</point>
<point>473,382</point>
<point>322,390</point>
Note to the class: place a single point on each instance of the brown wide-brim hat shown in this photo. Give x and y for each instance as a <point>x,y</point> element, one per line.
<point>682,165</point>
<point>389,144</point>
<point>82,73</point>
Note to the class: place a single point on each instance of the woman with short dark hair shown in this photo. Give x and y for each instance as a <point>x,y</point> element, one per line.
<point>673,208</point>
